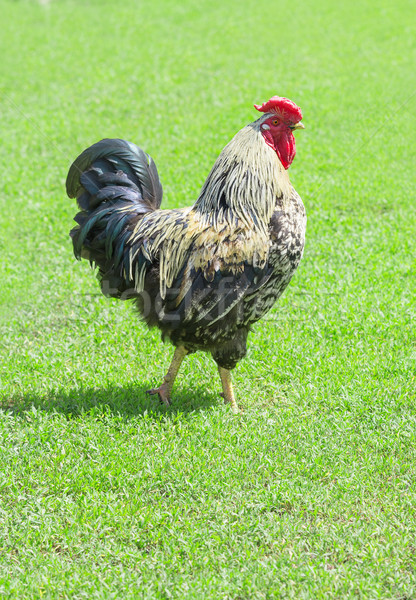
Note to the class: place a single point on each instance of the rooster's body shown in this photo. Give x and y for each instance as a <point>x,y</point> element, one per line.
<point>202,274</point>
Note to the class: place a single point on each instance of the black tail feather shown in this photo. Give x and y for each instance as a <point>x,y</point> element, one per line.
<point>111,156</point>
<point>115,184</point>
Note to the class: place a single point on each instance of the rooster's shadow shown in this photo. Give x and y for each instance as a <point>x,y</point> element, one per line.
<point>125,401</point>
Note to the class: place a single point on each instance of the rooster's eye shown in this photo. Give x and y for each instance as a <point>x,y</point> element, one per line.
<point>275,122</point>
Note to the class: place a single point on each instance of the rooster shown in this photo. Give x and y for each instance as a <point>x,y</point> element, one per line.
<point>202,274</point>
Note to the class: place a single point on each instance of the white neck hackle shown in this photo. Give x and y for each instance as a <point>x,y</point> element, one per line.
<point>246,181</point>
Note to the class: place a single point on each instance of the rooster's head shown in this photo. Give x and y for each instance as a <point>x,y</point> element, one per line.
<point>282,117</point>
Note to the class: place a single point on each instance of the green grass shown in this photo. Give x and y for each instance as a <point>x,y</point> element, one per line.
<point>310,493</point>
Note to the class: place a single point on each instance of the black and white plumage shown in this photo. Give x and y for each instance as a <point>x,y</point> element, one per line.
<point>202,274</point>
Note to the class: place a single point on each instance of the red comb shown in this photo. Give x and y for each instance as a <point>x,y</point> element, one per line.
<point>282,106</point>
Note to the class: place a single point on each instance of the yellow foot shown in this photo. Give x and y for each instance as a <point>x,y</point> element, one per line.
<point>163,393</point>
<point>224,398</point>
<point>234,407</point>
<point>227,389</point>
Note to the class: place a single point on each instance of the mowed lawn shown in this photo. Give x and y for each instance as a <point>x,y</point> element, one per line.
<point>310,492</point>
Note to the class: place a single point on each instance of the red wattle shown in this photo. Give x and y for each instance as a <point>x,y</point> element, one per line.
<point>286,148</point>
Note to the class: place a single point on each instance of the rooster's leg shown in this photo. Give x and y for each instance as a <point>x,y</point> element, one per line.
<point>165,389</point>
<point>227,388</point>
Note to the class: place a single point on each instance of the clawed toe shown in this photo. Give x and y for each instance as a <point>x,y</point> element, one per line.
<point>162,393</point>
<point>224,398</point>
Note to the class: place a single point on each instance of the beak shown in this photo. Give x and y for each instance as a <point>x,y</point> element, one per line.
<point>297,126</point>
